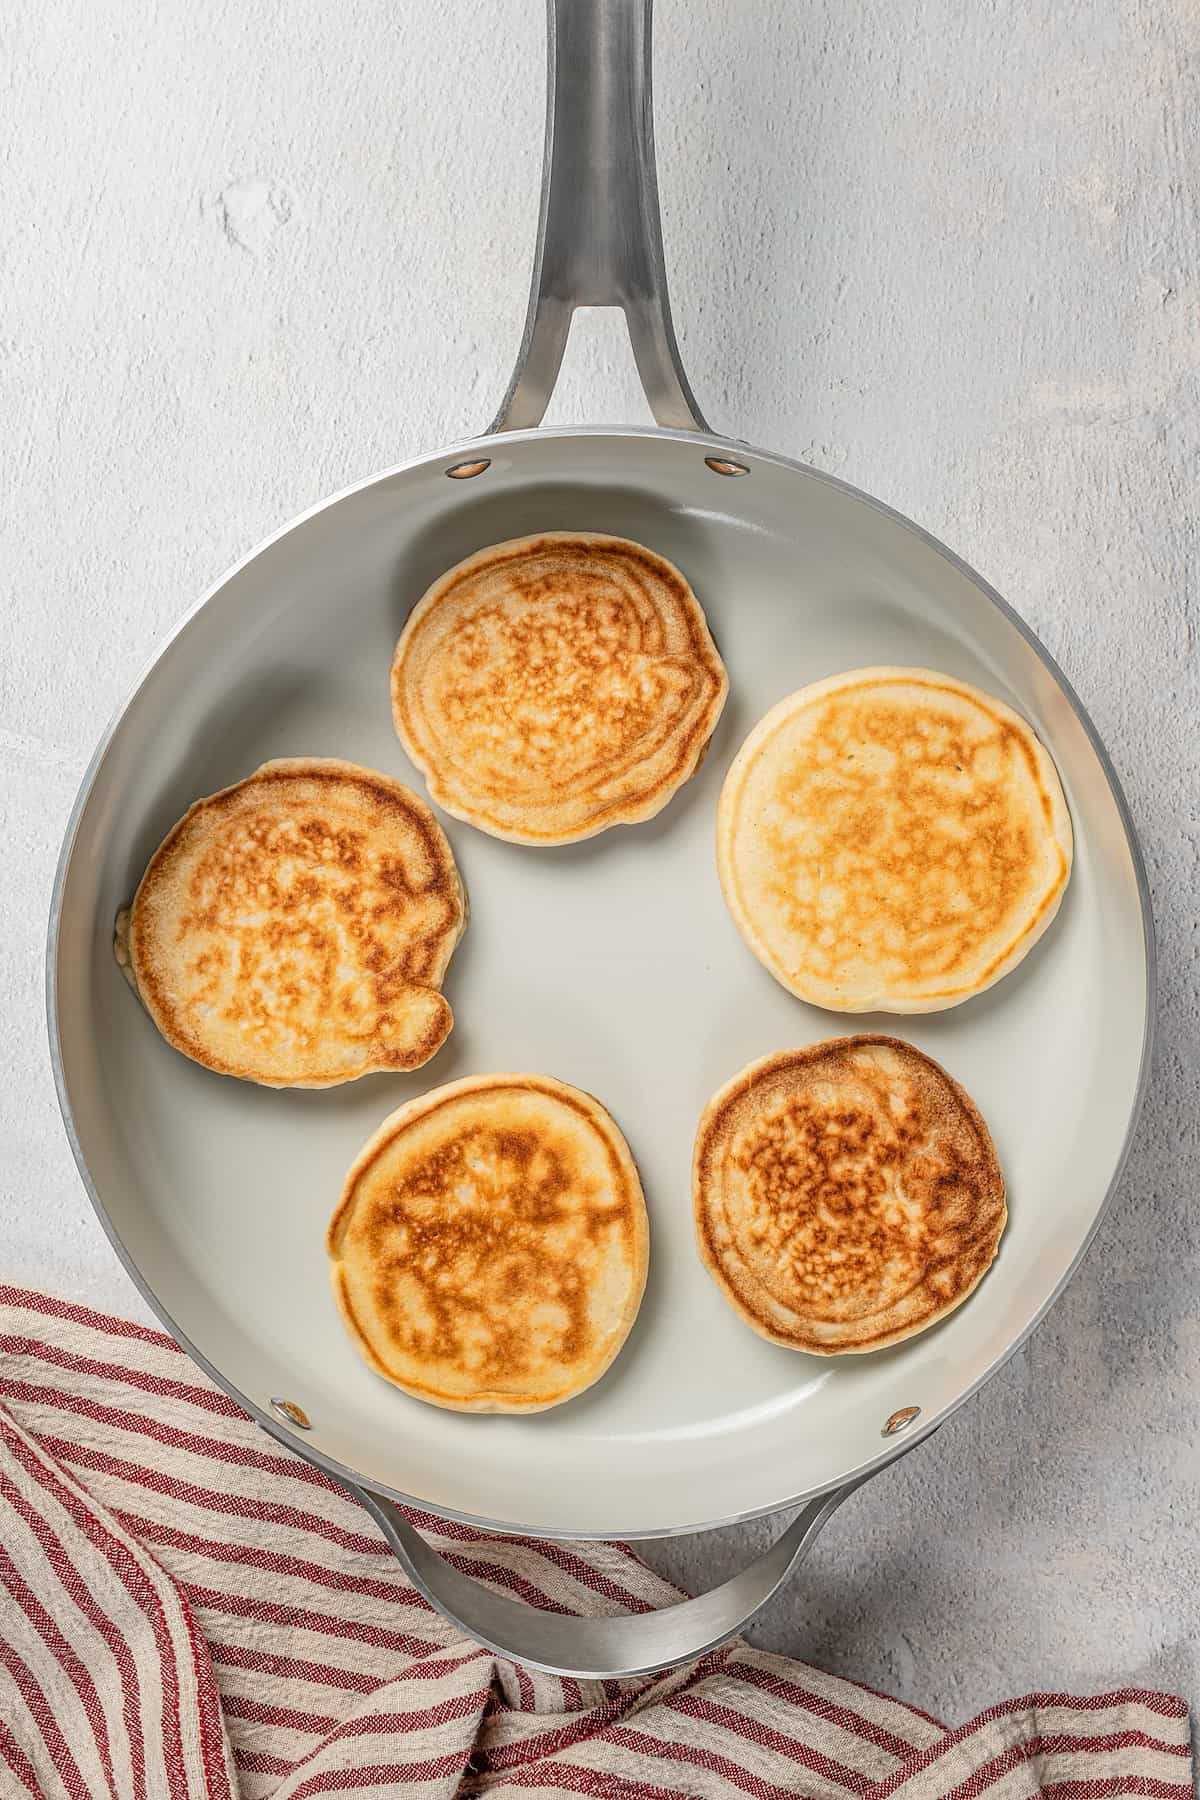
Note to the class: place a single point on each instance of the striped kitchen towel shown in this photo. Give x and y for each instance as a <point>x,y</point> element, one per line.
<point>188,1612</point>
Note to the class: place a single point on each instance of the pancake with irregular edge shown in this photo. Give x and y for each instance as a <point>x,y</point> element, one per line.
<point>847,1195</point>
<point>892,840</point>
<point>552,686</point>
<point>489,1251</point>
<point>293,930</point>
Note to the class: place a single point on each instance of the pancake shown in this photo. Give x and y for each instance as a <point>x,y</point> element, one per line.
<point>294,929</point>
<point>892,840</point>
<point>550,687</point>
<point>846,1196</point>
<point>489,1252</point>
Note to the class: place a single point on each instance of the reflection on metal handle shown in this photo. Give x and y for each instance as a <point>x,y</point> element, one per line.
<point>599,233</point>
<point>599,1649</point>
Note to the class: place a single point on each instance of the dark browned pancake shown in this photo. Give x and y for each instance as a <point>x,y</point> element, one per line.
<point>489,1251</point>
<point>556,685</point>
<point>847,1195</point>
<point>294,930</point>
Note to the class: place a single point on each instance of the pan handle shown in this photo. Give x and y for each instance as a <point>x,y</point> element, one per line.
<point>599,237</point>
<point>596,1649</point>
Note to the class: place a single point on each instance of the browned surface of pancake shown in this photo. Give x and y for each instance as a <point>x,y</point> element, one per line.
<point>293,930</point>
<point>847,1195</point>
<point>556,685</point>
<point>489,1251</point>
<point>892,839</point>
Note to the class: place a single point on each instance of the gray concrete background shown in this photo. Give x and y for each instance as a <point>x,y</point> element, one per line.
<point>249,252</point>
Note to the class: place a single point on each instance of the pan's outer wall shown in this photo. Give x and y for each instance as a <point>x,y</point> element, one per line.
<point>214,1195</point>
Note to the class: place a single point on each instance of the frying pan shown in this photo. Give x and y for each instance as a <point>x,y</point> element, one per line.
<point>611,964</point>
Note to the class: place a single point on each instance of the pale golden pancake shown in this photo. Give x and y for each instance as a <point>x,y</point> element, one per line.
<point>489,1252</point>
<point>553,686</point>
<point>846,1195</point>
<point>892,840</point>
<point>294,930</point>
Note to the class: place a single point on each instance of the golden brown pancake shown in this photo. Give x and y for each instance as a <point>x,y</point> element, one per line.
<point>846,1195</point>
<point>892,840</point>
<point>553,686</point>
<point>294,930</point>
<point>489,1251</point>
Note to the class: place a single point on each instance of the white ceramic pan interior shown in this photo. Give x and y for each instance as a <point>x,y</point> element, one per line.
<point>611,964</point>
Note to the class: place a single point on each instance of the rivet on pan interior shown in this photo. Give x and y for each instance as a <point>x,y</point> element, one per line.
<point>900,1421</point>
<point>291,1413</point>
<point>721,465</point>
<point>465,470</point>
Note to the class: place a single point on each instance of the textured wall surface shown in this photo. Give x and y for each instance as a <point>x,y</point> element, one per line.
<point>250,252</point>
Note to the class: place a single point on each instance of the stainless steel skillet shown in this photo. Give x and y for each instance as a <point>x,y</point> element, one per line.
<point>611,964</point>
